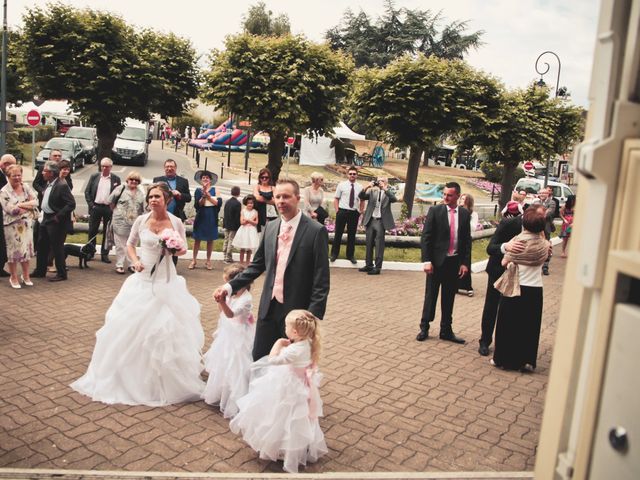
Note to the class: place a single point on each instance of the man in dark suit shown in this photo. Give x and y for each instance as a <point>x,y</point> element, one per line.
<point>446,253</point>
<point>377,218</point>
<point>5,162</point>
<point>231,223</point>
<point>96,193</point>
<point>57,205</point>
<point>293,253</point>
<point>179,187</point>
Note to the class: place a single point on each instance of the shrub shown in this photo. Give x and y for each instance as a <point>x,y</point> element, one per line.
<point>43,133</point>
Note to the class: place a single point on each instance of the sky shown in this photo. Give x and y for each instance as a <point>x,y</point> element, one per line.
<point>516,32</point>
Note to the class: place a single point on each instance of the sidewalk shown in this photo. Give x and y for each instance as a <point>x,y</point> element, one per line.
<point>391,404</point>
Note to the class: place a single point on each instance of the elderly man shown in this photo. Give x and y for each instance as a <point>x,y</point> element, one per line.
<point>293,253</point>
<point>57,205</point>
<point>5,162</point>
<point>39,182</point>
<point>96,193</point>
<point>377,218</point>
<point>179,187</point>
<point>547,201</point>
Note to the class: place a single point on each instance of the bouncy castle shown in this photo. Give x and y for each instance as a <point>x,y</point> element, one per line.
<point>224,135</point>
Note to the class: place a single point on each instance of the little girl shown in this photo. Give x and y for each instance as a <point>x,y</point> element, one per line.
<point>229,358</point>
<point>278,417</point>
<point>246,238</point>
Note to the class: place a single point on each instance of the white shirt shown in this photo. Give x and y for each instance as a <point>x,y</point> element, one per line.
<point>377,211</point>
<point>344,191</point>
<point>104,190</point>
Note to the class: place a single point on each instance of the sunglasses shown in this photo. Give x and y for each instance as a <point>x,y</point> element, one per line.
<point>134,180</point>
<point>264,177</point>
<point>353,174</point>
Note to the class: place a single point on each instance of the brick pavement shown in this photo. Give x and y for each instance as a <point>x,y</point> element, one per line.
<point>391,404</point>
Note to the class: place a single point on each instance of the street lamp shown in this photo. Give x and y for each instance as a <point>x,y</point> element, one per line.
<point>542,69</point>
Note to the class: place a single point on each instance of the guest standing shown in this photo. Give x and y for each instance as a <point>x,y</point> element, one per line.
<point>18,202</point>
<point>127,203</point>
<point>246,238</point>
<point>205,225</point>
<point>466,200</point>
<point>313,197</point>
<point>263,193</point>
<point>566,214</point>
<point>348,208</point>
<point>5,162</point>
<point>231,222</point>
<point>179,187</point>
<point>520,310</point>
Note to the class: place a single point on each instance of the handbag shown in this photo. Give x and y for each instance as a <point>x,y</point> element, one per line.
<point>321,213</point>
<point>109,239</point>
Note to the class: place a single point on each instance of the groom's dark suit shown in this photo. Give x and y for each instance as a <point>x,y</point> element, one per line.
<point>306,279</point>
<point>435,245</point>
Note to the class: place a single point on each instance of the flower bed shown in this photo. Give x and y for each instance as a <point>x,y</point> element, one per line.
<point>486,185</point>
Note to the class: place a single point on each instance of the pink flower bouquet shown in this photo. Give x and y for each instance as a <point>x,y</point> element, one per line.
<point>171,241</point>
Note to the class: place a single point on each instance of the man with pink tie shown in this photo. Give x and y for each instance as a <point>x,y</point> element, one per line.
<point>294,254</point>
<point>446,253</point>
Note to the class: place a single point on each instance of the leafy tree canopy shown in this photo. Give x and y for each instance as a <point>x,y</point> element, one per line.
<point>376,43</point>
<point>260,21</point>
<point>281,84</point>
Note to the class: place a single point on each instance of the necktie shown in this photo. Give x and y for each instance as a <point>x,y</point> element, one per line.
<point>452,230</point>
<point>282,255</point>
<point>352,196</point>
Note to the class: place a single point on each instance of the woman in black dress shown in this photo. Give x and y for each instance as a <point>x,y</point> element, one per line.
<point>263,192</point>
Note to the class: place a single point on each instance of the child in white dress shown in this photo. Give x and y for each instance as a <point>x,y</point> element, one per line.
<point>229,359</point>
<point>247,239</point>
<point>278,417</point>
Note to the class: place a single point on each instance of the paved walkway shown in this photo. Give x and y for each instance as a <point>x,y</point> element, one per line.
<point>391,404</point>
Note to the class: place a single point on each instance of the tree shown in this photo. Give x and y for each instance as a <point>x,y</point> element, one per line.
<point>260,21</point>
<point>413,102</point>
<point>281,84</point>
<point>106,70</point>
<point>400,31</point>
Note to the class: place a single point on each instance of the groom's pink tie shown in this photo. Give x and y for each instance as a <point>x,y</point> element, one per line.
<point>452,230</point>
<point>284,247</point>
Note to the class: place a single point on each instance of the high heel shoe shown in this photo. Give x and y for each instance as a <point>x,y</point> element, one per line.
<point>14,285</point>
<point>192,265</point>
<point>27,282</point>
<point>207,265</point>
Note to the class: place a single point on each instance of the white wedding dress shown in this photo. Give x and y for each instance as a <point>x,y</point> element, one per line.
<point>149,350</point>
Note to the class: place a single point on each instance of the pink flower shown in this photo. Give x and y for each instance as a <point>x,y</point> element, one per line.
<point>171,240</point>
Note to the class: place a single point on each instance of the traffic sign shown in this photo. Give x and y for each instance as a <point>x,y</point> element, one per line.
<point>33,118</point>
<point>290,140</point>
<point>528,166</point>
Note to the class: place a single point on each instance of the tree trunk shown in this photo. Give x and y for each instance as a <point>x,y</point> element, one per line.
<point>276,148</point>
<point>412,177</point>
<point>106,138</point>
<point>426,159</point>
<point>506,185</point>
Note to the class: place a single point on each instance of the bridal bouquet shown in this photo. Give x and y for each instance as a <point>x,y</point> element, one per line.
<point>171,241</point>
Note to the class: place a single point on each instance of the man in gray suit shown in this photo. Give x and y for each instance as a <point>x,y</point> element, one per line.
<point>377,218</point>
<point>294,254</point>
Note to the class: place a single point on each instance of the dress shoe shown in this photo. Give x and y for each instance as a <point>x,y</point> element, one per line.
<point>545,271</point>
<point>374,271</point>
<point>333,258</point>
<point>422,336</point>
<point>352,260</point>
<point>27,282</point>
<point>14,285</point>
<point>483,349</point>
<point>57,278</point>
<point>450,337</point>
<point>36,274</point>
<point>4,274</point>
<point>105,259</point>
<point>365,269</point>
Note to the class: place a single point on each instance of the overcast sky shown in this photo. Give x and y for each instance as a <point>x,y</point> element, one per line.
<point>516,31</point>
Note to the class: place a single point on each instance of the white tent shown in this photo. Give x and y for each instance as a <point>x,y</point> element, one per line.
<point>316,151</point>
<point>49,109</point>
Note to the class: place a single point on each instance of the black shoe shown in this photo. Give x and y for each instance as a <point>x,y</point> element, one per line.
<point>483,349</point>
<point>545,271</point>
<point>374,271</point>
<point>35,274</point>
<point>131,270</point>
<point>422,336</point>
<point>333,258</point>
<point>450,337</point>
<point>105,259</point>
<point>4,274</point>
<point>365,269</point>
<point>57,278</point>
<point>352,260</point>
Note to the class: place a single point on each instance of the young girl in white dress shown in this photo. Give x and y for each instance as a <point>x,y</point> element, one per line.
<point>247,239</point>
<point>278,417</point>
<point>229,359</point>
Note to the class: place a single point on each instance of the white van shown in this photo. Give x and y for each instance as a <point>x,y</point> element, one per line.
<point>560,190</point>
<point>132,144</point>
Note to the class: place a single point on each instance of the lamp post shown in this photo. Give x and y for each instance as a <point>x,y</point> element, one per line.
<point>3,86</point>
<point>542,69</point>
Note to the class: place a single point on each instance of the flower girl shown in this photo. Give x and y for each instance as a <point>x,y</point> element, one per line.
<point>278,417</point>
<point>247,239</point>
<point>229,358</point>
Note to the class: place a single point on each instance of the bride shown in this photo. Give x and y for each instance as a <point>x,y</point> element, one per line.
<point>149,350</point>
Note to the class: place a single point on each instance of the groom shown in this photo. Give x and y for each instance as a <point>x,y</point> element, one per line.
<point>294,254</point>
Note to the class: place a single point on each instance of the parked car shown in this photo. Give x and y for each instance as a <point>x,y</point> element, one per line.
<point>533,185</point>
<point>88,138</point>
<point>132,145</point>
<point>71,149</point>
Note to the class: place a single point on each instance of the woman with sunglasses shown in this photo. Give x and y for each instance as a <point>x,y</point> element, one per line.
<point>263,192</point>
<point>127,203</point>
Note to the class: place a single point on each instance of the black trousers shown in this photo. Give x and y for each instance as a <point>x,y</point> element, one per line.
<point>348,218</point>
<point>99,213</point>
<point>374,239</point>
<point>490,310</point>
<point>51,237</point>
<point>445,277</point>
<point>269,329</point>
